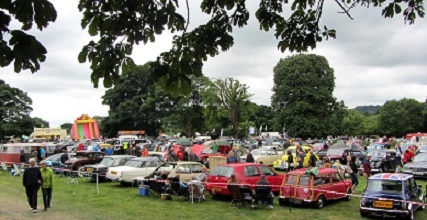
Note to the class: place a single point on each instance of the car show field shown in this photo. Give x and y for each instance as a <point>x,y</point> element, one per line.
<point>78,201</point>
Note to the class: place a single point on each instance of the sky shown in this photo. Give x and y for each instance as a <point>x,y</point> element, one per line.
<point>374,60</point>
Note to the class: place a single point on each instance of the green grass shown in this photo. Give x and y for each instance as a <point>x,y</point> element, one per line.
<point>81,201</point>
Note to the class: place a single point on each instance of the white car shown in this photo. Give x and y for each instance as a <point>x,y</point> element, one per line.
<point>265,155</point>
<point>137,167</point>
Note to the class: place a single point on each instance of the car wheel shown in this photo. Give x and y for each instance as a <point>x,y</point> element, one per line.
<point>80,171</point>
<point>320,202</point>
<point>349,192</point>
<point>362,214</point>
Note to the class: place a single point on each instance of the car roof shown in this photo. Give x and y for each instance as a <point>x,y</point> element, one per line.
<point>238,164</point>
<point>145,158</point>
<point>119,156</point>
<point>391,176</point>
<point>181,162</point>
<point>321,170</point>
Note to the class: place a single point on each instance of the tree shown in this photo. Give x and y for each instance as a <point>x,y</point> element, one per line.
<point>68,127</point>
<point>136,103</point>
<point>302,96</point>
<point>401,117</point>
<point>15,105</point>
<point>265,117</point>
<point>120,24</point>
<point>228,96</point>
<point>353,122</point>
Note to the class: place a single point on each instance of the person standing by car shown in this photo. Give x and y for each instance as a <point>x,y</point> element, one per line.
<point>313,159</point>
<point>353,174</point>
<point>64,157</point>
<point>47,184</point>
<point>398,148</point>
<point>214,147</point>
<point>290,161</point>
<point>109,150</point>
<point>367,169</point>
<point>249,157</point>
<point>145,151</point>
<point>32,180</point>
<point>300,156</point>
<point>406,157</point>
<point>22,159</point>
<point>398,162</point>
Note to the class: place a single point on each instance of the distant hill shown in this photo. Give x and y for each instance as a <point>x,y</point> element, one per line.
<point>372,109</point>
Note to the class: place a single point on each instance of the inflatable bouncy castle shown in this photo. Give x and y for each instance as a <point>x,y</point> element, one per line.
<point>85,127</point>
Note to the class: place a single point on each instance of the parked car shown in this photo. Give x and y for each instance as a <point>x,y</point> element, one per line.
<point>382,161</point>
<point>423,148</point>
<point>375,146</point>
<point>264,154</point>
<point>136,167</point>
<point>185,169</point>
<point>299,187</point>
<point>337,153</point>
<point>55,160</point>
<point>246,173</point>
<point>418,167</point>
<point>275,146</point>
<point>83,158</point>
<point>281,164</point>
<point>391,195</point>
<point>108,161</point>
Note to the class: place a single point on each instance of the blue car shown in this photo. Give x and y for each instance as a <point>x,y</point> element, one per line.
<point>392,195</point>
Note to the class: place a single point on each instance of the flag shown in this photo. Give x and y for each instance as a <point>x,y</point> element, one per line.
<point>222,130</point>
<point>266,128</point>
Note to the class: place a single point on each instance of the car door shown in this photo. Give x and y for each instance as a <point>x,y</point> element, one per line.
<point>274,179</point>
<point>413,191</point>
<point>339,186</point>
<point>322,184</point>
<point>252,175</point>
<point>184,172</point>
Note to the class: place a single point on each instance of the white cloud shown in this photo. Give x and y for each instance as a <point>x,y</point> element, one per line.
<point>374,59</point>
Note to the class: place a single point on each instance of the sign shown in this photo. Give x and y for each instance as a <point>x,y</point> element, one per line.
<point>132,132</point>
<point>251,130</point>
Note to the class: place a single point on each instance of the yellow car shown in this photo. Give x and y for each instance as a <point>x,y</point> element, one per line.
<point>281,164</point>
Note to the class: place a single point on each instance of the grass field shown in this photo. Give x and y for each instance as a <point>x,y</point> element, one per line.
<point>71,201</point>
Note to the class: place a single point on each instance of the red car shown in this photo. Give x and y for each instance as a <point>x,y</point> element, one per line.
<point>247,173</point>
<point>300,188</point>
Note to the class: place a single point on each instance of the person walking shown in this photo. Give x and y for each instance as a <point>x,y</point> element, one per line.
<point>249,157</point>
<point>32,180</point>
<point>353,173</point>
<point>290,161</point>
<point>367,169</point>
<point>47,184</point>
<point>398,162</point>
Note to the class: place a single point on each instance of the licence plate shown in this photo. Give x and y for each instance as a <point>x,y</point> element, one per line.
<point>418,173</point>
<point>216,189</point>
<point>89,170</point>
<point>114,172</point>
<point>383,204</point>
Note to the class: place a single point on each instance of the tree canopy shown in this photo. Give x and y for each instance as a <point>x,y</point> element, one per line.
<point>121,24</point>
<point>302,96</point>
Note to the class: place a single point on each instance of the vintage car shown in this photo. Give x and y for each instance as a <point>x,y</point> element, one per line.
<point>277,147</point>
<point>281,164</point>
<point>136,167</point>
<point>418,167</point>
<point>83,158</point>
<point>336,153</point>
<point>108,161</point>
<point>185,169</point>
<point>299,187</point>
<point>391,195</point>
<point>247,173</point>
<point>382,161</point>
<point>55,160</point>
<point>375,146</point>
<point>264,154</point>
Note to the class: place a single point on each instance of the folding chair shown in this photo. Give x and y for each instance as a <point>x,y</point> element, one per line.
<point>72,177</point>
<point>263,194</point>
<point>17,169</point>
<point>177,190</point>
<point>196,192</point>
<point>238,199</point>
<point>155,187</point>
<point>4,166</point>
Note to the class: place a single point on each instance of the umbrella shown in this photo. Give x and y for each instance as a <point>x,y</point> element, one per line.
<point>222,142</point>
<point>339,145</point>
<point>184,142</point>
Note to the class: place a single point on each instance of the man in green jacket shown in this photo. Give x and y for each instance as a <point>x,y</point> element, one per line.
<point>47,184</point>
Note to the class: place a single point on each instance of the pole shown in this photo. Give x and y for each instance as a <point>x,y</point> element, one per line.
<point>290,199</point>
<point>97,183</point>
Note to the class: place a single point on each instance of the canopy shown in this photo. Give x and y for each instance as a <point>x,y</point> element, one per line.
<point>339,145</point>
<point>184,142</point>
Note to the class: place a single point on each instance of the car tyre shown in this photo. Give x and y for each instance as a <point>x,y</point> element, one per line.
<point>320,202</point>
<point>362,214</point>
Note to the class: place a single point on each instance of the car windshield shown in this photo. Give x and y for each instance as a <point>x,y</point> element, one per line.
<point>222,171</point>
<point>334,152</point>
<point>389,186</point>
<point>378,154</point>
<point>421,158</point>
<point>55,157</point>
<point>375,147</point>
<point>107,161</point>
<point>291,179</point>
<point>133,163</point>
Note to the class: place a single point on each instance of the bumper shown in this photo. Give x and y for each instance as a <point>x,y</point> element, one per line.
<point>218,190</point>
<point>417,174</point>
<point>295,200</point>
<point>380,211</point>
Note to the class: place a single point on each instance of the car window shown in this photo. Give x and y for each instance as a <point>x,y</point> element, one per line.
<point>336,177</point>
<point>384,185</point>
<point>291,179</point>
<point>251,171</point>
<point>266,171</point>
<point>183,168</point>
<point>196,168</point>
<point>322,180</point>
<point>151,163</point>
<point>123,161</point>
<point>304,180</point>
<point>222,171</point>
